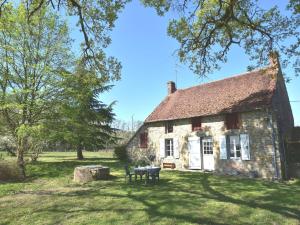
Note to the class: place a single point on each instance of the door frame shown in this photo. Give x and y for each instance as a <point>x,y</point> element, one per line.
<point>200,152</point>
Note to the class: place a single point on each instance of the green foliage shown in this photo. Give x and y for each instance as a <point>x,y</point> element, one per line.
<point>81,119</point>
<point>8,143</point>
<point>141,162</point>
<point>294,5</point>
<point>207,29</point>
<point>32,57</point>
<point>121,153</point>
<point>35,137</point>
<point>33,54</point>
<point>95,19</point>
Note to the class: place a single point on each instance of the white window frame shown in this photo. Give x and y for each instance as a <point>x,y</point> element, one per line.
<point>171,146</point>
<point>208,148</point>
<point>235,150</point>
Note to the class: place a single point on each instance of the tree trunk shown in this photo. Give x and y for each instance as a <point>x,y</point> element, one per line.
<point>20,158</point>
<point>79,152</point>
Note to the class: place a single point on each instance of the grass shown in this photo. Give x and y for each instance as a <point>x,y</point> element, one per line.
<point>49,196</point>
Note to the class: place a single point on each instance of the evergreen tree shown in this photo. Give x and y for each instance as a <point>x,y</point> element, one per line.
<point>81,119</point>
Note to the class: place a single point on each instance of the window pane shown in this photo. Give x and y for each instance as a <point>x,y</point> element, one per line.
<point>235,147</point>
<point>169,147</point>
<point>207,146</point>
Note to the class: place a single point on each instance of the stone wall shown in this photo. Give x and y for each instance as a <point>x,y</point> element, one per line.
<point>283,117</point>
<point>256,124</point>
<point>293,156</point>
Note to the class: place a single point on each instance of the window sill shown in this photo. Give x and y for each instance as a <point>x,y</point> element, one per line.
<point>235,159</point>
<point>197,130</point>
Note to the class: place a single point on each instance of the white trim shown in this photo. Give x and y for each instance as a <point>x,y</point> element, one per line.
<point>223,149</point>
<point>196,138</point>
<point>245,146</point>
<point>193,139</point>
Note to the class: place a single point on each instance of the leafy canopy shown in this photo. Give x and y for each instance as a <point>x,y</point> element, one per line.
<point>81,119</point>
<point>32,57</point>
<point>95,19</point>
<point>207,29</point>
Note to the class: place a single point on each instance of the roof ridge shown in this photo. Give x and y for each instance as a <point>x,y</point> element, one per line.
<point>226,78</point>
<point>222,98</point>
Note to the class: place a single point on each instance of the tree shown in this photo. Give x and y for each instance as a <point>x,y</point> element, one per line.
<point>95,20</point>
<point>81,119</point>
<point>207,29</point>
<point>32,56</point>
<point>294,5</point>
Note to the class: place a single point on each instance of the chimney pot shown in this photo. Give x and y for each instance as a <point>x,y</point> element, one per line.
<point>171,87</point>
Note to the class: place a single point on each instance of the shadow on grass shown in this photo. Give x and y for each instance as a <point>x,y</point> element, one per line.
<point>175,197</point>
<point>178,196</point>
<point>152,199</point>
<point>275,196</point>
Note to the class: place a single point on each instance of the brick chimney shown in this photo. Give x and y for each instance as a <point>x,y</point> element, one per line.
<point>171,87</point>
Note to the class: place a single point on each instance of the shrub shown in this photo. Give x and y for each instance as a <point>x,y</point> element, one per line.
<point>9,171</point>
<point>141,162</point>
<point>121,153</point>
<point>8,143</point>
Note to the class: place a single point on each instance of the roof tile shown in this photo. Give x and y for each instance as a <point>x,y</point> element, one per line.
<point>244,92</point>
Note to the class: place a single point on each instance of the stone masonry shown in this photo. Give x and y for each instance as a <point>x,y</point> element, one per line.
<point>264,150</point>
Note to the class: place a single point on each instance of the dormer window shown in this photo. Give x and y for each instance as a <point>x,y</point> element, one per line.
<point>196,124</point>
<point>169,127</point>
<point>232,121</point>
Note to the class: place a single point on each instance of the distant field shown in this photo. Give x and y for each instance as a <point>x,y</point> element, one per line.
<point>49,196</point>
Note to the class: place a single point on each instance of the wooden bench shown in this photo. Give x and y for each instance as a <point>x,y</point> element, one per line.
<point>169,165</point>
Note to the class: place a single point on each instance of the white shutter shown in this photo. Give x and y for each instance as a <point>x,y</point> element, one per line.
<point>162,148</point>
<point>176,148</point>
<point>223,147</point>
<point>245,148</point>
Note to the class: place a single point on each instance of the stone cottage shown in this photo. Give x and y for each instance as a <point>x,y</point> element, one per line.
<point>237,125</point>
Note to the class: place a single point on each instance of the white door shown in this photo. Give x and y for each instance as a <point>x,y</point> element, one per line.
<point>208,154</point>
<point>194,152</point>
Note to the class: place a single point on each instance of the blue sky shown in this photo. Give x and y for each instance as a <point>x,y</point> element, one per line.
<point>140,42</point>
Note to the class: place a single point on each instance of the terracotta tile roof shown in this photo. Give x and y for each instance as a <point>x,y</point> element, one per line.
<point>245,92</point>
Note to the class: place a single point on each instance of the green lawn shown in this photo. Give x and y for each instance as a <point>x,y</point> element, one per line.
<point>49,196</point>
